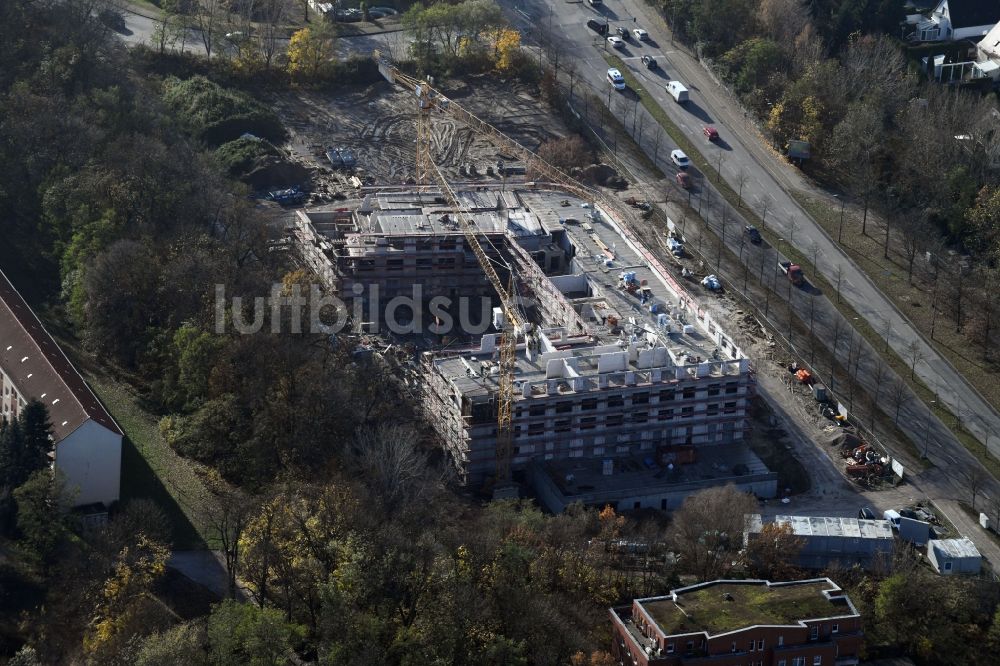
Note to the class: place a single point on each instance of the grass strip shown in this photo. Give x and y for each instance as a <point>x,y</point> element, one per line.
<point>150,469</point>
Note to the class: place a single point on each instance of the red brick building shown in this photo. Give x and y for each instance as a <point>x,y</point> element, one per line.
<point>740,623</point>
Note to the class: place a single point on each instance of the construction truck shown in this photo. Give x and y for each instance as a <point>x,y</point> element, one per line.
<point>793,271</point>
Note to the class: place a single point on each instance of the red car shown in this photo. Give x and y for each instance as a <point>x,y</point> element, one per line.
<point>711,133</point>
<point>684,180</point>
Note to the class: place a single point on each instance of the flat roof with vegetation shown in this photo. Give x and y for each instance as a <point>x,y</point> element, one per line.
<point>722,606</point>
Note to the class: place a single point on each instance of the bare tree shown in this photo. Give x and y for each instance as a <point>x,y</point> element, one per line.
<point>394,468</point>
<point>853,360</point>
<point>814,252</point>
<point>838,331</point>
<point>272,18</point>
<point>879,374</point>
<point>772,553</point>
<point>226,516</point>
<point>741,179</point>
<point>877,69</point>
<point>708,529</point>
<point>572,73</point>
<point>764,201</point>
<point>890,215</point>
<point>857,144</point>
<point>782,20</point>
<point>722,243</point>
<point>793,226</point>
<point>995,503</point>
<point>164,33</point>
<point>886,332</point>
<point>209,17</point>
<point>955,289</point>
<point>915,231</point>
<point>838,278</point>
<point>898,397</point>
<point>983,301</point>
<point>973,477</point>
<point>811,304</point>
<point>914,354</point>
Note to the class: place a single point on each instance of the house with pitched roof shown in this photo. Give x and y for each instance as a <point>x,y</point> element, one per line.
<point>88,442</point>
<point>954,20</point>
<point>987,63</point>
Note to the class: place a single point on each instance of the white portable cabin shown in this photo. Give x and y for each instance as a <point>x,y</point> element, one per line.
<point>954,556</point>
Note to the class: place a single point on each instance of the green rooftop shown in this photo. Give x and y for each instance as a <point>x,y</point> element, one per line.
<point>721,607</point>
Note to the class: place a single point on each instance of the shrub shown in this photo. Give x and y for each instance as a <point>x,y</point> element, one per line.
<point>236,157</point>
<point>217,115</point>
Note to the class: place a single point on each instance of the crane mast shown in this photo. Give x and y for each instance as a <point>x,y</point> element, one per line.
<point>428,100</point>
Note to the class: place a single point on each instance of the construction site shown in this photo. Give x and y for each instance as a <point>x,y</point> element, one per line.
<point>624,389</point>
<point>578,366</point>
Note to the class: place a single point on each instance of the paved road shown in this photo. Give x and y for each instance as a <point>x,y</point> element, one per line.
<point>141,28</point>
<point>861,292</point>
<point>767,179</point>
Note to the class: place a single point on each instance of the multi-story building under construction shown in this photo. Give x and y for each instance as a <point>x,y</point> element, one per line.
<point>626,389</point>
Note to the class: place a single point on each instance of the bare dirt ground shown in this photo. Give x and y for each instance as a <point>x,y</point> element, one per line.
<point>377,123</point>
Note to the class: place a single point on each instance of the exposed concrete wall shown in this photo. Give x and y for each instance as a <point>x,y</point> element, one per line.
<point>555,310</point>
<point>664,497</point>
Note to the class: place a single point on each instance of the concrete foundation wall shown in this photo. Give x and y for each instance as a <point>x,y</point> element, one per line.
<point>666,498</point>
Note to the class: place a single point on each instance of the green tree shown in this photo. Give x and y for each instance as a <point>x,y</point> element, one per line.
<point>125,606</point>
<point>722,24</point>
<point>41,515</point>
<point>993,636</point>
<point>25,445</point>
<point>753,62</point>
<point>197,353</point>
<point>310,53</point>
<point>37,430</point>
<point>242,634</point>
<point>182,644</point>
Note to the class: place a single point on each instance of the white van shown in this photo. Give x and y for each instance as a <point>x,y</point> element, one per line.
<point>893,518</point>
<point>677,91</point>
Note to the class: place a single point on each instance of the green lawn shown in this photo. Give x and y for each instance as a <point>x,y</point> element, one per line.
<point>721,608</point>
<point>150,468</point>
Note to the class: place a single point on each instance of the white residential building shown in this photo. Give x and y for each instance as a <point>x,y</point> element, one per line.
<point>954,20</point>
<point>88,442</point>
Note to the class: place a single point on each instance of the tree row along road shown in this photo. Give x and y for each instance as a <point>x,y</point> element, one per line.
<point>947,482</point>
<point>767,177</point>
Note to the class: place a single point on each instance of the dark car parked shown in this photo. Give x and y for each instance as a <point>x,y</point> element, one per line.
<point>597,26</point>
